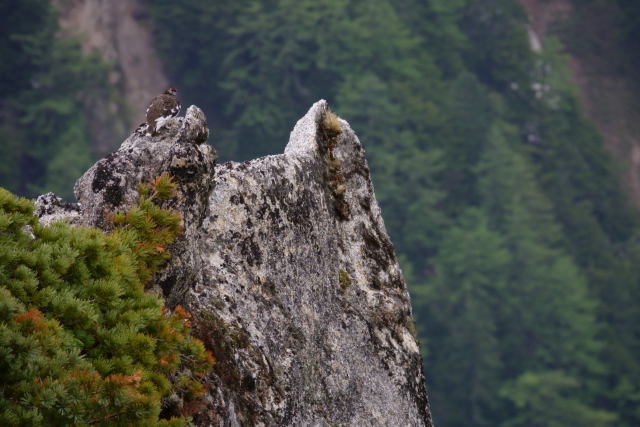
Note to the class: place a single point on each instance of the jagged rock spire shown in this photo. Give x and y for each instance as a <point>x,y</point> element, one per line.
<point>288,271</point>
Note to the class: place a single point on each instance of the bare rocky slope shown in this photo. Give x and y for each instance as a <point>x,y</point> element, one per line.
<point>287,268</point>
<point>119,32</point>
<point>608,97</point>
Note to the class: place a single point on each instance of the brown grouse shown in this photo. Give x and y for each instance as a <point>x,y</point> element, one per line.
<point>162,108</point>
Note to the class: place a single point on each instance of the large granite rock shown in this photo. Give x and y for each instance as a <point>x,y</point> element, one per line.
<point>286,265</point>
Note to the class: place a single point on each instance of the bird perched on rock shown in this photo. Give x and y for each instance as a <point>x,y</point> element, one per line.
<point>161,109</point>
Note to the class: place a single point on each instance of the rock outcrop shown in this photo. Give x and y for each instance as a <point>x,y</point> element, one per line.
<point>286,265</point>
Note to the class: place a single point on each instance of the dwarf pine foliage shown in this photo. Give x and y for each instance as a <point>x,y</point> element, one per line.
<point>81,343</point>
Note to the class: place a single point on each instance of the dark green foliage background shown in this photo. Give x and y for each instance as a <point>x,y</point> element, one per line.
<point>516,240</point>
<point>519,247</point>
<point>81,342</point>
<point>44,81</point>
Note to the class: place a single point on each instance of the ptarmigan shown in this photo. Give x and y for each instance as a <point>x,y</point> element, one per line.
<point>161,109</point>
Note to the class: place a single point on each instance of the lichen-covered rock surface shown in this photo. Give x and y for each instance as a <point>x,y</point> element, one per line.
<point>289,273</point>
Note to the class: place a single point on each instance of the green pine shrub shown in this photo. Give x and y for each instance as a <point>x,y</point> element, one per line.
<point>80,341</point>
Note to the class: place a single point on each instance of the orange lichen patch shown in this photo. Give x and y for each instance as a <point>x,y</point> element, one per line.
<point>144,245</point>
<point>181,312</point>
<point>40,381</point>
<point>160,178</point>
<point>130,380</point>
<point>84,374</point>
<point>196,389</point>
<point>171,333</point>
<point>211,360</point>
<point>33,317</point>
<point>168,359</point>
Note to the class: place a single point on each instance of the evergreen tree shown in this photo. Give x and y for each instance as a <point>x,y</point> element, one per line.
<point>469,113</point>
<point>547,399</point>
<point>499,53</point>
<point>547,320</point>
<point>583,184</point>
<point>80,341</point>
<point>460,307</point>
<point>437,22</point>
<point>507,308</point>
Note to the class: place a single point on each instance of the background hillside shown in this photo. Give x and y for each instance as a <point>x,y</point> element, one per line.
<point>502,138</point>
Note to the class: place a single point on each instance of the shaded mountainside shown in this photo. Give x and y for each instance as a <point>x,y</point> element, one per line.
<point>119,32</point>
<point>505,209</point>
<point>287,268</point>
<point>603,72</point>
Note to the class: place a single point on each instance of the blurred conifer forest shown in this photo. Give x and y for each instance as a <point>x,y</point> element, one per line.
<point>521,251</point>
